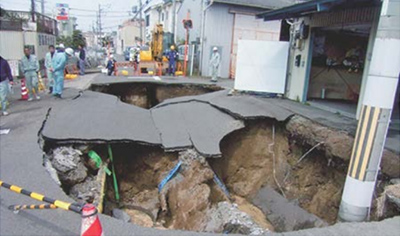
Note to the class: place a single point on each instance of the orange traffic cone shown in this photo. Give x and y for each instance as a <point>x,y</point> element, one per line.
<point>24,91</point>
<point>90,221</point>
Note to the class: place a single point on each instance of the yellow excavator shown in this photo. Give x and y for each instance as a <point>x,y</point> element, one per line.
<point>155,51</point>
<point>152,60</point>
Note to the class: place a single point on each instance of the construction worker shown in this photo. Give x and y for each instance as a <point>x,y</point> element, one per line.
<point>6,81</point>
<point>59,61</point>
<point>30,68</point>
<point>172,56</point>
<point>48,64</point>
<point>214,63</point>
<point>61,48</point>
<point>82,56</point>
<point>136,59</point>
<point>111,65</point>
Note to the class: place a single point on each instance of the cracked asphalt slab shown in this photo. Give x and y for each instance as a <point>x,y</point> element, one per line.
<point>177,123</point>
<point>96,117</point>
<point>21,164</point>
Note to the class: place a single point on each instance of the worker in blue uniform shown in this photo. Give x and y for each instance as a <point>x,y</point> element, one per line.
<point>172,56</point>
<point>59,62</point>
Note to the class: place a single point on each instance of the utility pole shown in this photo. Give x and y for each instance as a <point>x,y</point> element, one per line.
<point>33,10</point>
<point>42,6</point>
<point>141,22</point>
<point>173,19</point>
<point>99,26</point>
<point>375,117</point>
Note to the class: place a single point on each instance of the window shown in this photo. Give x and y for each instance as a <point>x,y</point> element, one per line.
<point>166,15</point>
<point>148,20</point>
<point>162,16</point>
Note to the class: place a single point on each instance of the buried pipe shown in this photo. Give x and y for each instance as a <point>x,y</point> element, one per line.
<point>270,147</point>
<point>110,155</point>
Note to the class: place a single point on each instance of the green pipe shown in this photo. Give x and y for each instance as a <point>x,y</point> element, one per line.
<point>113,172</point>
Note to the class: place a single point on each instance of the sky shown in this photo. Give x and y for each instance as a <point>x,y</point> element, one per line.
<point>115,11</point>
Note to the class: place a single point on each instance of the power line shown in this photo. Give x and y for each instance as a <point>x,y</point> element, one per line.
<point>98,16</point>
<point>87,10</point>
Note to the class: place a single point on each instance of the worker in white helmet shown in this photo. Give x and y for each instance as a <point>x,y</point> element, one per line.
<point>59,61</point>
<point>214,64</point>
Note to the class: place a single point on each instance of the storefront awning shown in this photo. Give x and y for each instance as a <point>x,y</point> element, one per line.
<point>312,6</point>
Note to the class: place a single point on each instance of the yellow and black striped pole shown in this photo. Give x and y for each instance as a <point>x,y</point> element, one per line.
<point>377,104</point>
<point>60,204</point>
<point>32,207</point>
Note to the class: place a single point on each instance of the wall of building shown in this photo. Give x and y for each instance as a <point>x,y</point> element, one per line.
<point>14,48</point>
<point>218,33</point>
<point>297,75</point>
<point>126,37</point>
<point>194,6</point>
<point>166,18</point>
<point>155,18</point>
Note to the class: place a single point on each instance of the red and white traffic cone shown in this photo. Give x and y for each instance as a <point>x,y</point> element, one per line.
<point>90,221</point>
<point>24,91</point>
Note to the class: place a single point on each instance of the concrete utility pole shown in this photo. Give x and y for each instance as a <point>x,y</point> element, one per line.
<point>99,26</point>
<point>375,116</point>
<point>33,10</point>
<point>42,6</point>
<point>173,19</point>
<point>141,22</point>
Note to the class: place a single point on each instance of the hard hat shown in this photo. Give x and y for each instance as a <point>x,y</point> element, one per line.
<point>61,45</point>
<point>69,51</point>
<point>172,47</point>
<point>215,49</point>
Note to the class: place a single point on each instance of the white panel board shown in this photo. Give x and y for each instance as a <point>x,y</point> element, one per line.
<point>261,66</point>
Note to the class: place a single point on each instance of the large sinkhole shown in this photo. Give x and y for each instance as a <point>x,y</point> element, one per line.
<point>259,184</point>
<point>148,95</point>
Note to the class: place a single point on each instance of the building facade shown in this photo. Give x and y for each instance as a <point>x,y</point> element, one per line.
<point>330,53</point>
<point>21,28</point>
<point>128,35</point>
<point>227,22</point>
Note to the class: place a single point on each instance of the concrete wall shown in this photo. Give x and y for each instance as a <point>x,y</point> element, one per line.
<point>218,32</point>
<point>14,48</point>
<point>297,76</point>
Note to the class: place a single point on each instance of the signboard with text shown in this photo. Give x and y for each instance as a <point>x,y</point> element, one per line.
<point>14,65</point>
<point>62,11</point>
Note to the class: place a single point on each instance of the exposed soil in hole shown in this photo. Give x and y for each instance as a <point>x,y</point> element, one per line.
<point>148,95</point>
<point>247,164</point>
<point>192,200</point>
